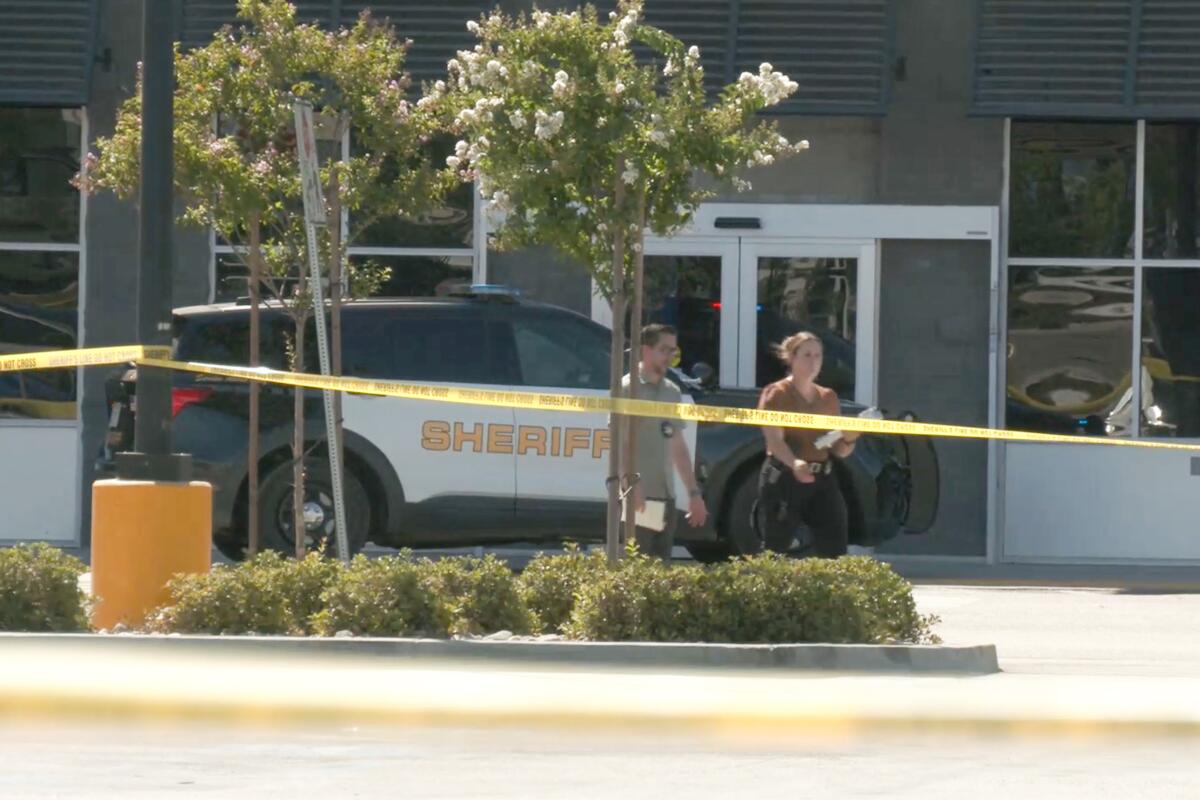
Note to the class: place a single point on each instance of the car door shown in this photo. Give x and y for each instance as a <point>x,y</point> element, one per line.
<point>455,464</point>
<point>562,457</point>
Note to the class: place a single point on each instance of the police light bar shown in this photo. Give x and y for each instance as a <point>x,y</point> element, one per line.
<point>483,290</point>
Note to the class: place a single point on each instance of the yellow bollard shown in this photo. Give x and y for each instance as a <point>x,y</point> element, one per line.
<point>144,532</point>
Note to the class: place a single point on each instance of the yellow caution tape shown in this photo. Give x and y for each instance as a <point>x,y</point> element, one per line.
<point>87,357</point>
<point>639,408</point>
<point>539,401</point>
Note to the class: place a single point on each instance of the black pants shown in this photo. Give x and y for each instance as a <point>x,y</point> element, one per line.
<point>784,504</point>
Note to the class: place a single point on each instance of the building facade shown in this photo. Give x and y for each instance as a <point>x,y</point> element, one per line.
<point>996,225</point>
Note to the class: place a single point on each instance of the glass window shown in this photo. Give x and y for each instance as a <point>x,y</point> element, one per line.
<point>1172,182</point>
<point>438,349</point>
<point>226,340</point>
<point>1072,190</point>
<point>452,225</point>
<point>39,154</point>
<point>39,300</point>
<point>1170,352</point>
<point>421,276</point>
<point>808,294</point>
<point>1070,331</point>
<point>685,291</point>
<point>561,352</point>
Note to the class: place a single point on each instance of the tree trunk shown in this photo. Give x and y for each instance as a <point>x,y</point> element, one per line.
<point>629,453</point>
<point>252,534</point>
<point>612,539</point>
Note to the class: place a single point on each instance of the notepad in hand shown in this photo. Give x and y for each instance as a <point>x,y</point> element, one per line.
<point>653,517</point>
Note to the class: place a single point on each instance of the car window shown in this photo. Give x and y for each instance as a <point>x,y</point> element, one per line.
<point>561,351</point>
<point>415,346</point>
<point>227,341</point>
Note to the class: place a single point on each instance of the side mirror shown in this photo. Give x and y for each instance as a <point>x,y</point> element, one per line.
<point>703,373</point>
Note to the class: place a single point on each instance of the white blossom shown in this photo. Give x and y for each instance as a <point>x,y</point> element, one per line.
<point>624,32</point>
<point>693,53</point>
<point>473,27</point>
<point>630,175</point>
<point>501,200</point>
<point>541,18</point>
<point>453,162</point>
<point>771,86</point>
<point>562,83</point>
<point>742,185</point>
<point>619,88</point>
<point>547,124</point>
<point>670,69</point>
<point>440,87</point>
<point>802,144</point>
<point>460,148</point>
<point>517,119</point>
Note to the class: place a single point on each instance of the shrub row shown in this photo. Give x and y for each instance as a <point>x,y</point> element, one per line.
<point>577,594</point>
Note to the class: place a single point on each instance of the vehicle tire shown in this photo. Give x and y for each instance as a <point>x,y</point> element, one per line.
<point>739,533</point>
<point>275,509</point>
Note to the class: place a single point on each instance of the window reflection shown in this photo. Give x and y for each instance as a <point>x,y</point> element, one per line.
<point>1170,352</point>
<point>451,225</point>
<point>685,291</point>
<point>808,294</point>
<point>1172,182</point>
<point>39,295</point>
<point>1069,335</point>
<point>39,154</point>
<point>1072,190</point>
<point>421,276</point>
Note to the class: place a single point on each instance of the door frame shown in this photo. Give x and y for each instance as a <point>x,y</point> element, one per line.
<point>854,224</point>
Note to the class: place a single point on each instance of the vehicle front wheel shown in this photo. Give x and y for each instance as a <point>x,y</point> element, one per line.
<point>276,517</point>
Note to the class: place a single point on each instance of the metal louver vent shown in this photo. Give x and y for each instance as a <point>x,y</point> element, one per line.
<point>1121,59</point>
<point>1064,54</point>
<point>202,18</point>
<point>437,29</point>
<point>837,50</point>
<point>1168,58</point>
<point>46,50</point>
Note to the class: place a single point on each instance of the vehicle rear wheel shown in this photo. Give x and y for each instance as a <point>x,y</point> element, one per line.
<point>739,532</point>
<point>275,509</point>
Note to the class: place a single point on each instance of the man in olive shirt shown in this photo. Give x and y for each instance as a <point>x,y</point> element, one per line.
<point>660,444</point>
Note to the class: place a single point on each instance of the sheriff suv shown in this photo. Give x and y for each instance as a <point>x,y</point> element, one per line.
<point>429,474</point>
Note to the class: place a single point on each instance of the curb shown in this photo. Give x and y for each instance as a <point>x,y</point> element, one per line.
<point>854,658</point>
<point>146,679</point>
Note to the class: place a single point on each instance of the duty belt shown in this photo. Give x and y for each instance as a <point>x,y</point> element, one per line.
<point>815,467</point>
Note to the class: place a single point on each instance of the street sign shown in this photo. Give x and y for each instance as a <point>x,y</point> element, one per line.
<point>310,175</point>
<point>314,214</point>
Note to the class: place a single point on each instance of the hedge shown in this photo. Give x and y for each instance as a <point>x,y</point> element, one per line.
<point>39,590</point>
<point>765,599</point>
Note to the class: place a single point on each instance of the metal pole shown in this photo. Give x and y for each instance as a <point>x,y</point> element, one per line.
<point>152,425</point>
<point>314,214</point>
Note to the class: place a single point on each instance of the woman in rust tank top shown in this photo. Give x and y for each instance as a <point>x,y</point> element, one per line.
<point>797,484</point>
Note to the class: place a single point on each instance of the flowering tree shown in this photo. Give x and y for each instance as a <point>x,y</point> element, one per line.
<point>237,170</point>
<point>579,145</point>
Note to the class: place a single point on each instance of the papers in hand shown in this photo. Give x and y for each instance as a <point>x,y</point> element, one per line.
<point>653,517</point>
<point>827,440</point>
